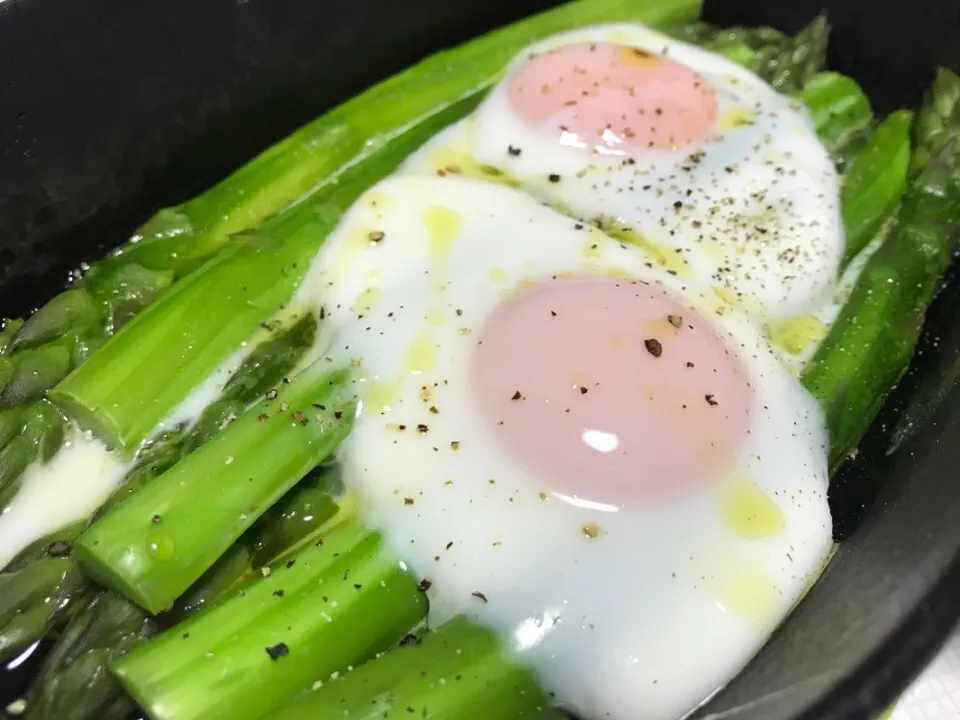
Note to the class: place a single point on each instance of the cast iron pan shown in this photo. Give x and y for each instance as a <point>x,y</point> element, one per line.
<point>111,109</point>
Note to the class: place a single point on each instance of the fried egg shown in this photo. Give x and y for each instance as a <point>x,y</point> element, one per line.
<point>591,456</point>
<point>669,146</point>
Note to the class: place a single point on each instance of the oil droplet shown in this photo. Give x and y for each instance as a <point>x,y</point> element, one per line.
<point>747,511</point>
<point>497,274</point>
<point>159,546</point>
<point>736,117</point>
<point>591,530</point>
<point>356,241</point>
<point>591,250</point>
<point>421,356</point>
<point>726,297</point>
<point>366,300</point>
<point>458,161</point>
<point>443,225</point>
<point>637,57</point>
<point>382,395</point>
<point>663,255</point>
<point>435,316</point>
<point>798,333</point>
<point>749,592</point>
<point>616,271</point>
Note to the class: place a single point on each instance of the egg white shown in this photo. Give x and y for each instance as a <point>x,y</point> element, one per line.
<point>754,211</point>
<point>667,602</point>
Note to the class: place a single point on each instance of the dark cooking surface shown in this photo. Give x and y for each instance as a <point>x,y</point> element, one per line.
<point>110,109</point>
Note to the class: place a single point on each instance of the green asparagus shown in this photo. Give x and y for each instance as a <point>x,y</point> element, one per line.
<point>38,596</point>
<point>73,683</point>
<point>871,343</point>
<point>350,597</point>
<point>456,672</point>
<point>874,183</point>
<point>838,107</point>
<point>163,538</point>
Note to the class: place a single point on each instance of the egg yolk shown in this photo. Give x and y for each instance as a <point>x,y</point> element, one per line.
<point>610,391</point>
<point>612,98</point>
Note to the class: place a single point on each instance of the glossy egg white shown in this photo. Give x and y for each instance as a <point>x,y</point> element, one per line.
<point>752,211</point>
<point>656,606</point>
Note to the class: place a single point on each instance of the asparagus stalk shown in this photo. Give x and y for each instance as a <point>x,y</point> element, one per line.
<point>73,683</point>
<point>457,672</point>
<point>39,598</point>
<point>875,182</point>
<point>162,539</point>
<point>177,240</point>
<point>336,602</point>
<point>154,362</point>
<point>838,106</point>
<point>871,343</point>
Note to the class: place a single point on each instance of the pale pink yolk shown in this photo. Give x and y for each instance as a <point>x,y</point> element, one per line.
<point>613,98</point>
<point>610,391</point>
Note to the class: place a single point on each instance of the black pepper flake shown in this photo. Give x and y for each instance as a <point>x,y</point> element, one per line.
<point>299,417</point>
<point>553,177</point>
<point>155,519</point>
<point>434,410</point>
<point>59,548</point>
<point>653,347</point>
<point>278,651</point>
<point>323,312</point>
<point>710,400</point>
<point>421,428</point>
<point>516,396</point>
<point>408,501</point>
<point>675,320</point>
<point>357,586</point>
<point>449,545</point>
<point>578,226</point>
<point>424,585</point>
<point>271,394</point>
<point>480,596</point>
<point>408,638</point>
<point>291,563</point>
<point>583,390</point>
<point>262,416</point>
<point>376,236</point>
<point>454,444</point>
<point>513,150</point>
<point>553,313</point>
<point>689,364</point>
<point>278,593</point>
<point>338,414</point>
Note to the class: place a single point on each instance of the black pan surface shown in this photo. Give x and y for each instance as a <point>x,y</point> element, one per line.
<point>111,109</point>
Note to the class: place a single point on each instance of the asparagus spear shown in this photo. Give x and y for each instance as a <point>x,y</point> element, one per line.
<point>336,602</point>
<point>838,106</point>
<point>162,539</point>
<point>177,240</point>
<point>871,343</point>
<point>456,672</point>
<point>39,597</point>
<point>73,683</point>
<point>874,183</point>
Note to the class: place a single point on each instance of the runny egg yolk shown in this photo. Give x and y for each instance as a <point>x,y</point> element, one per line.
<point>610,390</point>
<point>613,99</point>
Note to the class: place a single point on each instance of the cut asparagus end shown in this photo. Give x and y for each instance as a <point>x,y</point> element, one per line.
<point>334,604</point>
<point>161,540</point>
